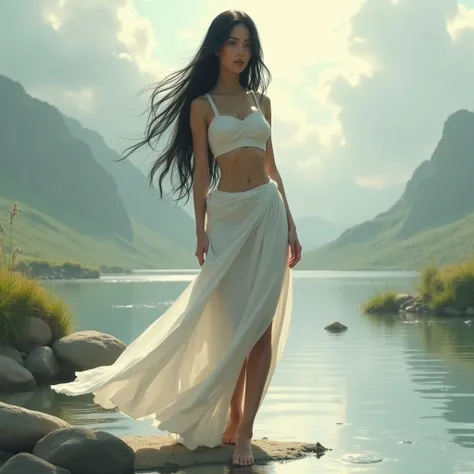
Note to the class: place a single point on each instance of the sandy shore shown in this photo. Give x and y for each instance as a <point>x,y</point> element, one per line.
<point>160,452</point>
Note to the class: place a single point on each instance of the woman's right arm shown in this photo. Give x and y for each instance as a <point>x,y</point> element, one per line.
<point>198,125</point>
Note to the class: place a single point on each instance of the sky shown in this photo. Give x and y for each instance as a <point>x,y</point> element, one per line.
<point>360,89</point>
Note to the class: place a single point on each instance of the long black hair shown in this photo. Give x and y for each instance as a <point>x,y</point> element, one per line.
<point>170,103</point>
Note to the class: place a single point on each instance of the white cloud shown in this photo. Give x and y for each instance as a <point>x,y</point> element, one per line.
<point>360,89</point>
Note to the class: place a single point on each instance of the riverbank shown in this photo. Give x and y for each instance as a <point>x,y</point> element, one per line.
<point>45,270</point>
<point>445,290</point>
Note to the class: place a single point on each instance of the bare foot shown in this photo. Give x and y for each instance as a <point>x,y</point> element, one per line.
<point>231,430</point>
<point>242,455</point>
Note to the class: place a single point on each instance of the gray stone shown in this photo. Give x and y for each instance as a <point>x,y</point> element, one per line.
<point>401,299</point>
<point>84,451</point>
<point>4,457</point>
<point>42,361</point>
<point>23,428</point>
<point>14,377</point>
<point>335,327</point>
<point>35,333</point>
<point>449,311</point>
<point>88,349</point>
<point>407,303</point>
<point>11,352</point>
<point>26,463</point>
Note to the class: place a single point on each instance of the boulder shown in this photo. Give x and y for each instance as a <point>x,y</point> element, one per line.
<point>42,361</point>
<point>84,451</point>
<point>4,457</point>
<point>10,351</point>
<point>26,463</point>
<point>35,333</point>
<point>14,377</point>
<point>88,349</point>
<point>23,428</point>
<point>450,311</point>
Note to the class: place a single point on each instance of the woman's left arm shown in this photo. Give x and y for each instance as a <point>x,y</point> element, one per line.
<point>273,173</point>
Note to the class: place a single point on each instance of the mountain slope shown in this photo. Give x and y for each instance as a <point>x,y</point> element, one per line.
<point>43,165</point>
<point>141,202</point>
<point>44,238</point>
<point>432,221</point>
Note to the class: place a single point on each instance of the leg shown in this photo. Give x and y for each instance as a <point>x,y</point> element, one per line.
<point>258,366</point>
<point>235,415</point>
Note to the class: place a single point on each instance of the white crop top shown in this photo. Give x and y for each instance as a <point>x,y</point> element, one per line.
<point>227,133</point>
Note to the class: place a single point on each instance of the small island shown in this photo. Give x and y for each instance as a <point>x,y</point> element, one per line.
<point>447,290</point>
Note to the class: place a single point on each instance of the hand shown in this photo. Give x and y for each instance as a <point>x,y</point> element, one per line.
<point>295,247</point>
<point>202,247</point>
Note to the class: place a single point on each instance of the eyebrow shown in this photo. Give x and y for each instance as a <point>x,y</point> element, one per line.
<point>234,37</point>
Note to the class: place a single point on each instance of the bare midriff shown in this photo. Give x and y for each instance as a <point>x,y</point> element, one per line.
<point>242,169</point>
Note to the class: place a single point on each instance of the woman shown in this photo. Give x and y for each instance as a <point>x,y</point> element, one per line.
<point>202,369</point>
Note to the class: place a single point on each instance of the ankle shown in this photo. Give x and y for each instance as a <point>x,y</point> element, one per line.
<point>245,432</point>
<point>235,414</point>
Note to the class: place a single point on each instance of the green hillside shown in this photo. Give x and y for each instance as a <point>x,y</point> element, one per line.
<point>141,202</point>
<point>43,165</point>
<point>77,203</point>
<point>432,222</point>
<point>44,238</point>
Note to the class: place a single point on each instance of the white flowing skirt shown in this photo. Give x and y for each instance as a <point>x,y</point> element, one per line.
<point>182,370</point>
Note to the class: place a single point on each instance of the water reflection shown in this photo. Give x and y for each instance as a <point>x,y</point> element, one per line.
<point>441,358</point>
<point>396,387</point>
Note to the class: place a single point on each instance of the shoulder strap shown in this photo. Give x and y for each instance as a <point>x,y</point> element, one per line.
<point>255,98</point>
<point>213,105</point>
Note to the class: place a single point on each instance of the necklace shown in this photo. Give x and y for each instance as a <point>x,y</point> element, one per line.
<point>238,112</point>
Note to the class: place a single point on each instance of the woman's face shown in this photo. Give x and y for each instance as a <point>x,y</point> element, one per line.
<point>236,52</point>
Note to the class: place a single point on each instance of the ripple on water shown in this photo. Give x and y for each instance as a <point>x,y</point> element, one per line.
<point>355,458</point>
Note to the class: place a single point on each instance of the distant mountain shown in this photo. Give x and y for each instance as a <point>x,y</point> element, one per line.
<point>314,231</point>
<point>433,221</point>
<point>141,202</point>
<point>77,203</point>
<point>43,165</point>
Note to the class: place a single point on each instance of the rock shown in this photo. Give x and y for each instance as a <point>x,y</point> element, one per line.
<point>84,451</point>
<point>470,311</point>
<point>450,311</point>
<point>14,377</point>
<point>163,454</point>
<point>35,333</point>
<point>408,302</point>
<point>402,298</point>
<point>4,457</point>
<point>336,327</point>
<point>23,428</point>
<point>13,353</point>
<point>88,349</point>
<point>42,361</point>
<point>26,463</point>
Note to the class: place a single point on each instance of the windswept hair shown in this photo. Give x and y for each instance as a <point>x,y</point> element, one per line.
<point>170,103</point>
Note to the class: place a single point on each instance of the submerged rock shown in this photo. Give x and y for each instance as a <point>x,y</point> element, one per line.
<point>336,327</point>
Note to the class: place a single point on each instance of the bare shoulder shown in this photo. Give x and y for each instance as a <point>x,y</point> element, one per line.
<point>200,105</point>
<point>265,104</point>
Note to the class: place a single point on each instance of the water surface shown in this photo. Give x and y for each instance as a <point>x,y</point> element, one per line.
<point>399,390</point>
